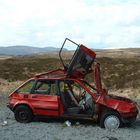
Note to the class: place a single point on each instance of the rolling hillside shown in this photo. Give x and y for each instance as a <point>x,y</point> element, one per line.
<point>25,50</point>
<point>119,70</point>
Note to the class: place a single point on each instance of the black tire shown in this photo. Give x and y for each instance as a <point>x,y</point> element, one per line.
<point>23,114</point>
<point>112,114</point>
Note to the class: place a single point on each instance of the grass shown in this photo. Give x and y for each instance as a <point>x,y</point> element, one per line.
<point>120,75</point>
<point>6,88</point>
<point>116,73</point>
<point>21,68</point>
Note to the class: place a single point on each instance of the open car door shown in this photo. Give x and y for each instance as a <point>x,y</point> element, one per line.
<point>81,61</point>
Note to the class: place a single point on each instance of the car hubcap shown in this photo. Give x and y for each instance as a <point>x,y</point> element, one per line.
<point>23,115</point>
<point>112,122</point>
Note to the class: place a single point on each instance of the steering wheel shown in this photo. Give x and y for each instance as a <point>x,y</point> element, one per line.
<point>87,102</point>
<point>83,95</point>
<point>83,99</point>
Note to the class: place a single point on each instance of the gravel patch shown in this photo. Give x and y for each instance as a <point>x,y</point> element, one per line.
<point>57,130</point>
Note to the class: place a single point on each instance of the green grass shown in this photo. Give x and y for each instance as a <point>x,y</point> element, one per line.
<point>21,68</point>
<point>120,72</point>
<point>117,73</point>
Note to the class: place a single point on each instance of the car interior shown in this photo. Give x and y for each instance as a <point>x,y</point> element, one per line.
<point>76,99</point>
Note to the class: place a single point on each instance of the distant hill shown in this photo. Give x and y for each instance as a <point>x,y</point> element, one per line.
<point>53,51</point>
<point>26,50</point>
<point>119,53</point>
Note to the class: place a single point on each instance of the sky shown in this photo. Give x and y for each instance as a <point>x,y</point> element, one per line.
<point>95,23</point>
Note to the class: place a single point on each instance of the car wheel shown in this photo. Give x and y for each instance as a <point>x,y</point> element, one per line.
<point>23,114</point>
<point>110,120</point>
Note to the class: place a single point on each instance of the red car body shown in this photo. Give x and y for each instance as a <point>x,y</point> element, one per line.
<point>88,102</point>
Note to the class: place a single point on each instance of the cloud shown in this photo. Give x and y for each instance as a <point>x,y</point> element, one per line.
<point>104,23</point>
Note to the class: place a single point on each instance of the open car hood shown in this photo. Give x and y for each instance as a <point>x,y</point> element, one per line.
<point>80,63</point>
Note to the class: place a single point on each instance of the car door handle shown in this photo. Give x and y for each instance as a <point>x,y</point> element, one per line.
<point>35,96</point>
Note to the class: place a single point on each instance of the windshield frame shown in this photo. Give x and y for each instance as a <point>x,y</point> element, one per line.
<point>60,55</point>
<point>87,85</point>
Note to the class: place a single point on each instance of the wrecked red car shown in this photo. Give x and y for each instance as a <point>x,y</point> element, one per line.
<point>63,93</point>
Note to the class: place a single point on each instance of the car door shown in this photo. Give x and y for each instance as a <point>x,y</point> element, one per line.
<point>44,98</point>
<point>80,62</point>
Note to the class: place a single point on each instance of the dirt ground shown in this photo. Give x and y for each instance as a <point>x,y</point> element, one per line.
<point>43,129</point>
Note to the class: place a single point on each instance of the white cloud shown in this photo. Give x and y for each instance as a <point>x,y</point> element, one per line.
<point>43,22</point>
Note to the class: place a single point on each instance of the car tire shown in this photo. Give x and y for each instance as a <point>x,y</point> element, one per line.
<point>110,120</point>
<point>23,114</point>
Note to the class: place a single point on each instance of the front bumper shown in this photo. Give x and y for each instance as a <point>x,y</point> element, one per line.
<point>130,117</point>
